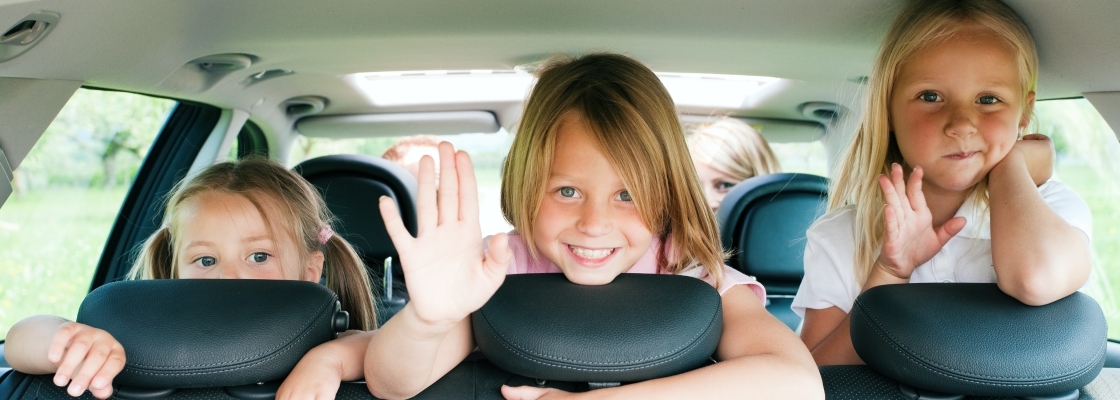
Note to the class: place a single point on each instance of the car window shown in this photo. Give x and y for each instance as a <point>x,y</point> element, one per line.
<point>802,157</point>
<point>67,193</point>
<point>1088,160</point>
<point>487,150</point>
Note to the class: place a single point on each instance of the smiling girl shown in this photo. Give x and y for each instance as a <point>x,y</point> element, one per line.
<point>598,182</point>
<point>939,184</point>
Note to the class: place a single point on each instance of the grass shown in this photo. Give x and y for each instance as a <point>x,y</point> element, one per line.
<point>50,242</point>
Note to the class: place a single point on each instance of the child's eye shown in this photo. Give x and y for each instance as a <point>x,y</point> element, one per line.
<point>258,257</point>
<point>988,99</point>
<point>567,191</point>
<point>624,196</point>
<point>723,185</point>
<point>929,97</point>
<point>206,261</point>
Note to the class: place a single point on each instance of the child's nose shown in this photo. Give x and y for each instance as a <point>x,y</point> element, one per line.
<point>226,272</point>
<point>962,120</point>
<point>595,219</point>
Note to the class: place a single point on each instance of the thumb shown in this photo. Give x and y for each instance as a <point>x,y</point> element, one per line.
<point>949,229</point>
<point>498,254</point>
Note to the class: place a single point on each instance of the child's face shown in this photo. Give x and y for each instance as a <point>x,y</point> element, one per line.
<point>716,184</point>
<point>222,235</point>
<point>957,108</point>
<point>588,224</point>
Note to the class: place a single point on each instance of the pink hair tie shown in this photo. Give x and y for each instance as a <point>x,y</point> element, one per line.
<point>325,234</point>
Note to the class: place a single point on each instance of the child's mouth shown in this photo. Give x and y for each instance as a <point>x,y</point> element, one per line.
<point>962,155</point>
<point>591,257</point>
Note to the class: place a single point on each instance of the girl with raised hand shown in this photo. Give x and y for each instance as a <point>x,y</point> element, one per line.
<point>598,182</point>
<point>250,219</point>
<point>939,185</point>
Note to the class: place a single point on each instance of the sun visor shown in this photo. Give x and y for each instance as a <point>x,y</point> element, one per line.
<point>773,130</point>
<point>398,124</point>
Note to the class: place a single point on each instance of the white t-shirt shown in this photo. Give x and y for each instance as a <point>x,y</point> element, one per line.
<point>830,279</point>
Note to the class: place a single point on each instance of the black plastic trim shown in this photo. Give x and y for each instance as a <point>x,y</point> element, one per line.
<point>251,141</point>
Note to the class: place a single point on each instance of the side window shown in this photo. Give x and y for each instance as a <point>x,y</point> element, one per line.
<point>1088,160</point>
<point>67,193</point>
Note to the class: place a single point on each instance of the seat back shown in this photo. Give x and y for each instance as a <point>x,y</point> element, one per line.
<point>763,221</point>
<point>351,185</point>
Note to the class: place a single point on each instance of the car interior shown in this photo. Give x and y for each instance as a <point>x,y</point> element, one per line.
<point>324,87</point>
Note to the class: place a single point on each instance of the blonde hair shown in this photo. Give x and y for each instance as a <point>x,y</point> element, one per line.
<point>921,25</point>
<point>634,121</point>
<point>733,148</point>
<point>294,203</point>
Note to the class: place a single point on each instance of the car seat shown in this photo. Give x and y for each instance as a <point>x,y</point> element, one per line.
<point>351,185</point>
<point>762,223</point>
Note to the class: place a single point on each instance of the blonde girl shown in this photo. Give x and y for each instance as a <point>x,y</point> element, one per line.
<point>251,219</point>
<point>727,152</point>
<point>937,185</point>
<point>598,182</point>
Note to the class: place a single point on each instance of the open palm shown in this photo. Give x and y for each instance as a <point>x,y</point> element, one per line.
<point>446,271</point>
<point>910,238</point>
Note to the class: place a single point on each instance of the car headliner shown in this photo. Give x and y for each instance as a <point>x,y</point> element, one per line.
<point>823,46</point>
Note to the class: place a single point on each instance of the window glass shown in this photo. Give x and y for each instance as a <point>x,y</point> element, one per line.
<point>802,157</point>
<point>67,193</point>
<point>487,150</point>
<point>1088,160</point>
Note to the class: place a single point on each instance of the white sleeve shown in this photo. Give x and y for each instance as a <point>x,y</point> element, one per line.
<point>1067,204</point>
<point>829,254</point>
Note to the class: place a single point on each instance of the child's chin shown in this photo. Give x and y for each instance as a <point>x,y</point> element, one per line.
<point>590,278</point>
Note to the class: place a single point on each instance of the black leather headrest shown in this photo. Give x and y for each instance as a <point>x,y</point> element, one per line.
<point>636,328</point>
<point>190,333</point>
<point>763,221</point>
<point>972,339</point>
<point>350,185</point>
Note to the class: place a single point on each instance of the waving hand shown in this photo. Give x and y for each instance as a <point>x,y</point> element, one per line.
<point>910,238</point>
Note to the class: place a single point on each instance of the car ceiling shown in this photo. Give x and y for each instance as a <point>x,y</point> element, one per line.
<point>824,47</point>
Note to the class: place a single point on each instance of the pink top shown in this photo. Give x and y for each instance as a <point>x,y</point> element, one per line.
<point>523,264</point>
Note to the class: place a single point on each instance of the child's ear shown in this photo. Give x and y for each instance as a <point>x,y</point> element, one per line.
<point>1028,110</point>
<point>313,271</point>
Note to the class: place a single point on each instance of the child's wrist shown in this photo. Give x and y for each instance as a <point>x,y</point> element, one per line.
<point>426,328</point>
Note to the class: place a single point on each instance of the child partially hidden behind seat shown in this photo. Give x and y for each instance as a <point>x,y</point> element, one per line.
<point>251,219</point>
<point>939,184</point>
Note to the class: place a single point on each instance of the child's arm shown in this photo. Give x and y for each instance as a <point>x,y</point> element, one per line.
<point>320,372</point>
<point>759,358</point>
<point>909,241</point>
<point>46,344</point>
<point>448,277</point>
<point>1037,255</point>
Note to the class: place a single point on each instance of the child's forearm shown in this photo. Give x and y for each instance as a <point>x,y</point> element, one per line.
<point>25,347</point>
<point>1038,257</point>
<point>407,355</point>
<point>827,332</point>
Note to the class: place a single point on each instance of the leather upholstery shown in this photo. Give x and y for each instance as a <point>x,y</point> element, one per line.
<point>972,339</point>
<point>763,221</point>
<point>183,333</point>
<point>351,185</point>
<point>636,328</point>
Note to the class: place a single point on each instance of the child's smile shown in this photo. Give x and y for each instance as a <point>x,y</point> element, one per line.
<point>588,225</point>
<point>957,107</point>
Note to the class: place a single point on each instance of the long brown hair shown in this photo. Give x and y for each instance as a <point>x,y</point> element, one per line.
<point>283,199</point>
<point>634,121</point>
<point>920,25</point>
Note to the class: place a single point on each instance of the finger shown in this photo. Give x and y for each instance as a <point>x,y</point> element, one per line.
<point>58,345</point>
<point>1036,136</point>
<point>891,224</point>
<point>448,184</point>
<point>73,357</point>
<point>498,255</point>
<point>949,229</point>
<point>914,192</point>
<point>393,223</point>
<point>899,180</point>
<point>102,384</point>
<point>426,211</point>
<point>93,362</point>
<point>468,188</point>
<point>889,195</point>
<point>522,392</point>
